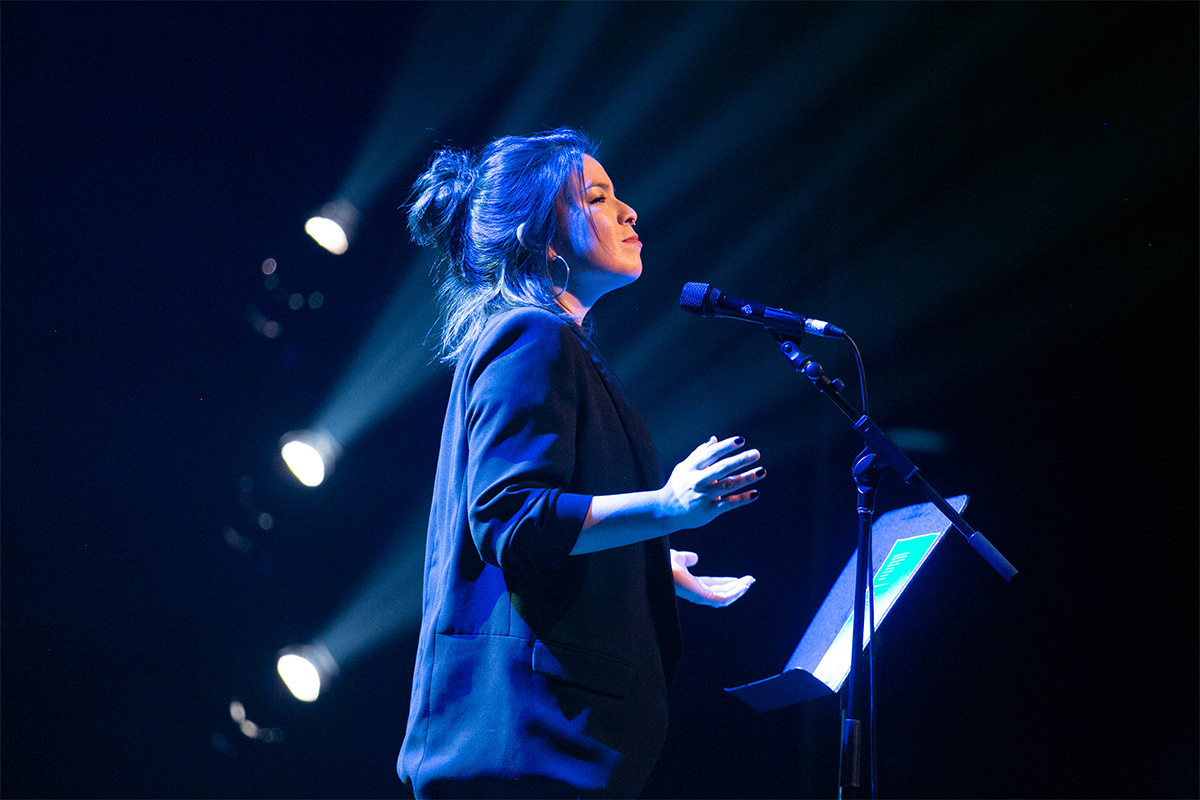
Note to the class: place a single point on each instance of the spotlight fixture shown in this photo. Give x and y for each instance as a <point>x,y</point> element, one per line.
<point>306,670</point>
<point>310,455</point>
<point>333,226</point>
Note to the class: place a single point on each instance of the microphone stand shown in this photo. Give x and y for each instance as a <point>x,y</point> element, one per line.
<point>879,454</point>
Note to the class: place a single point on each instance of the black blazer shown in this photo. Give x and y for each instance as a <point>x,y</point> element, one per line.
<point>534,665</point>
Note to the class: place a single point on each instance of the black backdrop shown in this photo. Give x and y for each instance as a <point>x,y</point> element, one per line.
<point>998,201</point>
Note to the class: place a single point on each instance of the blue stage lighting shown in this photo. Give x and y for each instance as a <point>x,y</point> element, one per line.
<point>392,365</point>
<point>389,601</point>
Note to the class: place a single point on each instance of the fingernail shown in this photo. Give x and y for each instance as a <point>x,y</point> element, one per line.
<point>754,494</point>
<point>739,441</point>
<point>760,472</point>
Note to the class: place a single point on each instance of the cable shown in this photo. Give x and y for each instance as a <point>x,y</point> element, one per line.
<point>862,380</point>
<point>871,674</point>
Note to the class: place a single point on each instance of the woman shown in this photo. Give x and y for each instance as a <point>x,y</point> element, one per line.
<point>550,629</point>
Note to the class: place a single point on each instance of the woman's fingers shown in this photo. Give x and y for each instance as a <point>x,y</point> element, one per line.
<point>707,454</point>
<point>724,468</point>
<point>735,482</point>
<point>712,480</point>
<point>730,501</point>
<point>724,591</point>
<point>726,586</point>
<point>684,558</point>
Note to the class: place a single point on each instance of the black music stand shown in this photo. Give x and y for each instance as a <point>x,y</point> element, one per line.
<point>901,541</point>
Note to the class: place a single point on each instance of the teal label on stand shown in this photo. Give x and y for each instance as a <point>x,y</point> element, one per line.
<point>898,568</point>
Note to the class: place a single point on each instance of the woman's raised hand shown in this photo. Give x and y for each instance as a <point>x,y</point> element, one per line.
<point>709,482</point>
<point>706,484</point>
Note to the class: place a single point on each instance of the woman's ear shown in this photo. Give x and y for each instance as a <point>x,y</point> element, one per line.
<point>530,246</point>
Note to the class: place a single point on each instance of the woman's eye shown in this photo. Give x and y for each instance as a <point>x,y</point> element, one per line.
<point>597,199</point>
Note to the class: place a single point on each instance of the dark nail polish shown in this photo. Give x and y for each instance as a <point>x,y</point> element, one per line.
<point>739,441</point>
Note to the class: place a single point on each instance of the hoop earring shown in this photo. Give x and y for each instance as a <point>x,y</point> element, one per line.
<point>567,267</point>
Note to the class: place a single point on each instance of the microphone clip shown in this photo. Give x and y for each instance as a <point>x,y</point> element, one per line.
<point>811,369</point>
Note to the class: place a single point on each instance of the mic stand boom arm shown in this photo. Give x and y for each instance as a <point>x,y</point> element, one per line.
<point>892,456</point>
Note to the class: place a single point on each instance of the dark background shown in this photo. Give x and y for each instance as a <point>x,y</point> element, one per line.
<point>999,202</point>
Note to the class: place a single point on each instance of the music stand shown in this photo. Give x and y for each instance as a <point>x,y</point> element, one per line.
<point>901,541</point>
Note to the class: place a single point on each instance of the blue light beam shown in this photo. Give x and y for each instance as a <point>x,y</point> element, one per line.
<point>389,603</point>
<point>392,367</point>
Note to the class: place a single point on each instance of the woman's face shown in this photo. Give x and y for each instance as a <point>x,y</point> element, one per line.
<point>595,235</point>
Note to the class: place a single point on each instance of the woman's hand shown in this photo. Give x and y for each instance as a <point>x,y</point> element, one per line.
<point>708,483</point>
<point>717,592</point>
<point>703,486</point>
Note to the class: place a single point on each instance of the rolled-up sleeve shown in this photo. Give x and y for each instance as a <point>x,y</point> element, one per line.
<point>522,412</point>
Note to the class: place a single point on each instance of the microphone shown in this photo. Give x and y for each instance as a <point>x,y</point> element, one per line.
<point>711,303</point>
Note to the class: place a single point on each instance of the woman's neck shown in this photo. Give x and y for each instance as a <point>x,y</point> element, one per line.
<point>574,307</point>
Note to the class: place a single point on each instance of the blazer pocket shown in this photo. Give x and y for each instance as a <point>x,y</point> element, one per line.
<point>583,669</point>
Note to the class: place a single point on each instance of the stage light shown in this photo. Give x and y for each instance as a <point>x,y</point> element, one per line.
<point>333,226</point>
<point>388,602</point>
<point>301,677</point>
<point>306,670</point>
<point>310,456</point>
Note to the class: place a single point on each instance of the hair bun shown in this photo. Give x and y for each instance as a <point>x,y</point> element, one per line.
<point>443,194</point>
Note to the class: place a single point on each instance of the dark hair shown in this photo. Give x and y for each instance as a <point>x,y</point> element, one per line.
<point>468,210</point>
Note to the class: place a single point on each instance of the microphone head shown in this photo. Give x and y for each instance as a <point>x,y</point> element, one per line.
<point>691,299</point>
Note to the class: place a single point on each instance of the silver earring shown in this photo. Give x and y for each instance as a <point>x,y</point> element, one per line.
<point>567,267</point>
